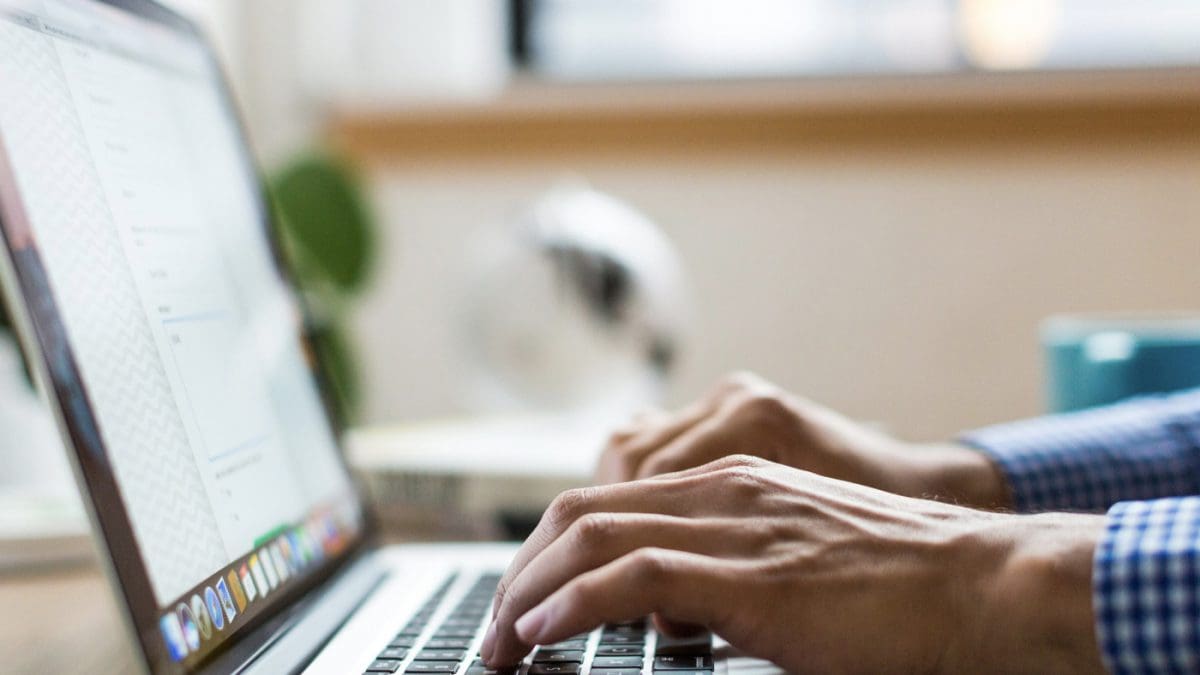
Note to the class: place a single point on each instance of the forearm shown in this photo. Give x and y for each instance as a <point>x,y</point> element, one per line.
<point>957,474</point>
<point>1143,449</point>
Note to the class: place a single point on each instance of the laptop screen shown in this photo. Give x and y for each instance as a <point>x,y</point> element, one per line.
<point>173,343</point>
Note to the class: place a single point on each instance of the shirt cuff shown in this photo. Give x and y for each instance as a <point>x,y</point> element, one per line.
<point>1146,587</point>
<point>1087,461</point>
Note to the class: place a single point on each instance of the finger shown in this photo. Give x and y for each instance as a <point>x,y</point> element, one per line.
<point>619,461</point>
<point>682,587</point>
<point>638,424</point>
<point>663,497</point>
<point>600,538</point>
<point>736,461</point>
<point>686,493</point>
<point>625,456</point>
<point>676,629</point>
<point>703,443</point>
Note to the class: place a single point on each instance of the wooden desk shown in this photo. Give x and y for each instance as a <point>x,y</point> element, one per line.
<point>61,621</point>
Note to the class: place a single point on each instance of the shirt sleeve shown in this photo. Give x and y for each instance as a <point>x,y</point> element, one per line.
<point>1146,587</point>
<point>1145,448</point>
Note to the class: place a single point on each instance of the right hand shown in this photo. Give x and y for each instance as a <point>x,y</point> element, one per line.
<point>813,574</point>
<point>747,415</point>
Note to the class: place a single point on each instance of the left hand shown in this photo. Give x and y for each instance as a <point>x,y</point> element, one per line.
<point>814,574</point>
<point>745,414</point>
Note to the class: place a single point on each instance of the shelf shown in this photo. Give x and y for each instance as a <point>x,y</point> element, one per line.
<point>534,119</point>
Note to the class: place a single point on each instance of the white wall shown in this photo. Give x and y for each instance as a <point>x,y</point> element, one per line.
<point>902,286</point>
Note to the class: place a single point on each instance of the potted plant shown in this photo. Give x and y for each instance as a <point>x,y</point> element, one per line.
<point>329,238</point>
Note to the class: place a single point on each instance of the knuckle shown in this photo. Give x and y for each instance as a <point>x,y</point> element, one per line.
<point>594,528</point>
<point>761,405</point>
<point>649,565</point>
<point>743,481</point>
<point>740,379</point>
<point>739,461</point>
<point>568,505</point>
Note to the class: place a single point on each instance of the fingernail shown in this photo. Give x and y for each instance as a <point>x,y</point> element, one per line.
<point>529,627</point>
<point>489,643</point>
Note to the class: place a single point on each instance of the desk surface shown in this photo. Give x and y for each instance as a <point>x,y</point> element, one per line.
<point>62,621</point>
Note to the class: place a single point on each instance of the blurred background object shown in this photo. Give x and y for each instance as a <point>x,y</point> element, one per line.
<point>329,239</point>
<point>576,306</point>
<point>1097,359</point>
<point>42,523</point>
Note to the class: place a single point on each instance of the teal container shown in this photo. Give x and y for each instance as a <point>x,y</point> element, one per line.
<point>1093,360</point>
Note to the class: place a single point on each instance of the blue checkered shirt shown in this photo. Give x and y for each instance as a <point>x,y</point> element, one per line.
<point>1140,461</point>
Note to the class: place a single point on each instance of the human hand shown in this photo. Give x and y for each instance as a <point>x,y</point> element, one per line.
<point>745,414</point>
<point>814,574</point>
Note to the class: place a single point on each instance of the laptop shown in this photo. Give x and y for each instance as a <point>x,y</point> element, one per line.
<point>141,268</point>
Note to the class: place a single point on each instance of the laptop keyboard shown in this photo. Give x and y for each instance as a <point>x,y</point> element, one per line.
<point>452,646</point>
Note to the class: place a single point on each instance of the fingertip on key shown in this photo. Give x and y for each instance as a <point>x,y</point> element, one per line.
<point>489,643</point>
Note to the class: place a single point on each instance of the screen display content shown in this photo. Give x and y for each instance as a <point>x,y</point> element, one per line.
<point>125,191</point>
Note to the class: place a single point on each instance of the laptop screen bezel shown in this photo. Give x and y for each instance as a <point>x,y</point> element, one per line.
<point>41,331</point>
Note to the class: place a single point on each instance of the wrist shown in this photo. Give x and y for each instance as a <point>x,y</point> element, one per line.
<point>1034,611</point>
<point>956,473</point>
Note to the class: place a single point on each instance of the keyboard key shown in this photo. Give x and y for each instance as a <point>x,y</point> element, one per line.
<point>383,666</point>
<point>396,653</point>
<point>619,671</point>
<point>619,650</point>
<point>555,669</point>
<point>567,645</point>
<point>477,668</point>
<point>441,655</point>
<point>617,662</point>
<point>608,639</point>
<point>683,663</point>
<point>558,656</point>
<point>405,641</point>
<point>431,667</point>
<point>448,643</point>
<point>692,645</point>
<point>454,632</point>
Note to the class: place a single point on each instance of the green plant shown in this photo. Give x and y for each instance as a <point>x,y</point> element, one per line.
<point>328,237</point>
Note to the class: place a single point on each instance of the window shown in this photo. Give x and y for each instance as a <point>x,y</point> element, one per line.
<point>700,39</point>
